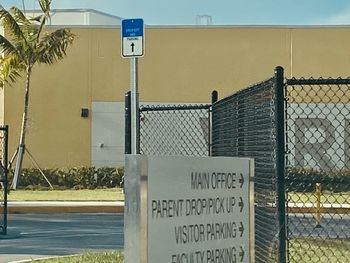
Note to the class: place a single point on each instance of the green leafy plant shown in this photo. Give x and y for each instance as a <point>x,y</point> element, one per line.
<point>304,180</point>
<point>72,178</point>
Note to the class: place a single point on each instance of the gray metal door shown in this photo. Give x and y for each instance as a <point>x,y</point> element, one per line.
<point>107,135</point>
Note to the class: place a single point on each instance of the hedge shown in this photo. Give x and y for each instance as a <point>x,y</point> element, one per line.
<point>72,178</point>
<point>304,180</point>
<point>297,179</point>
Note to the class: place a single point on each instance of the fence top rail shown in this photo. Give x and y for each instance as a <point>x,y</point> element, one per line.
<point>247,90</point>
<point>320,81</point>
<point>174,107</point>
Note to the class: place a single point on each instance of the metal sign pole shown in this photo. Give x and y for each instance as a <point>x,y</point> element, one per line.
<point>135,246</point>
<point>132,46</point>
<point>135,125</point>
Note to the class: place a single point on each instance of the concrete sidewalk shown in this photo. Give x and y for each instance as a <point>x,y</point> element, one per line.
<point>65,207</point>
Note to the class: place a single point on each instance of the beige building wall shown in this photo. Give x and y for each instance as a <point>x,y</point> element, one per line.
<point>181,64</point>
<point>321,52</point>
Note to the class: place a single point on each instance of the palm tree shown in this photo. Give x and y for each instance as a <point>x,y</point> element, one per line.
<point>26,45</point>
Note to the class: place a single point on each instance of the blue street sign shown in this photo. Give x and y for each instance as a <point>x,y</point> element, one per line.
<point>132,27</point>
<point>132,37</point>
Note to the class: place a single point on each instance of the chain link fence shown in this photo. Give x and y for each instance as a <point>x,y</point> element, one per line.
<point>175,130</point>
<point>245,125</point>
<point>298,132</point>
<point>318,169</point>
<point>3,179</point>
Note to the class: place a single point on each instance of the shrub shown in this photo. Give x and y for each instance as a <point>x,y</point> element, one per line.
<point>304,180</point>
<point>72,178</point>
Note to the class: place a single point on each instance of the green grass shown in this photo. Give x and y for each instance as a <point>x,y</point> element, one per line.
<point>330,198</point>
<point>90,257</point>
<point>319,250</point>
<point>111,194</point>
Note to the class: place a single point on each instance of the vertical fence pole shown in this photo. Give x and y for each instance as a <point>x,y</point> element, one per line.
<point>214,98</point>
<point>280,163</point>
<point>5,164</point>
<point>318,205</point>
<point>127,142</point>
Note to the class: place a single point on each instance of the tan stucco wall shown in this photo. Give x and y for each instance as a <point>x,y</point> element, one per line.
<point>321,52</point>
<point>180,65</point>
<point>57,135</point>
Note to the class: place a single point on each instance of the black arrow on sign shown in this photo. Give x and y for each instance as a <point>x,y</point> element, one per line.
<point>241,253</point>
<point>241,228</point>
<point>132,46</point>
<point>241,181</point>
<point>241,204</point>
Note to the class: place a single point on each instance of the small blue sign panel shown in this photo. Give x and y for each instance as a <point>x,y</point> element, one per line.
<point>132,37</point>
<point>132,27</point>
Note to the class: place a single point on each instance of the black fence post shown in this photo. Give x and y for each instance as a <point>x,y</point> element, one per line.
<point>5,164</point>
<point>214,99</point>
<point>214,96</point>
<point>128,122</point>
<point>138,130</point>
<point>280,164</point>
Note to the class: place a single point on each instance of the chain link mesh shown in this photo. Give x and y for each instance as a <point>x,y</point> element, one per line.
<point>3,180</point>
<point>244,125</point>
<point>318,169</point>
<point>175,130</point>
<point>317,186</point>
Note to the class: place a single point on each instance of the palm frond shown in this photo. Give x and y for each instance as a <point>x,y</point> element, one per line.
<point>19,16</point>
<point>36,18</point>
<point>45,6</point>
<point>42,24</point>
<point>53,46</point>
<point>11,68</point>
<point>6,46</point>
<point>24,52</point>
<point>10,24</point>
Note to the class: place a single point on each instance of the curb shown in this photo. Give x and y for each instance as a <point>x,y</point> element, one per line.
<point>310,208</point>
<point>118,207</point>
<point>65,207</point>
<point>42,258</point>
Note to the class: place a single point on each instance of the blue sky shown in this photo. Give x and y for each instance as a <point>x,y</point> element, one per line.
<point>223,12</point>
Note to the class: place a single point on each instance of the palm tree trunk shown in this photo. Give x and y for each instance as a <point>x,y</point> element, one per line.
<point>22,138</point>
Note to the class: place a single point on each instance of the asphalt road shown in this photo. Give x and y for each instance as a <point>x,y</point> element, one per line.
<point>332,226</point>
<point>41,235</point>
